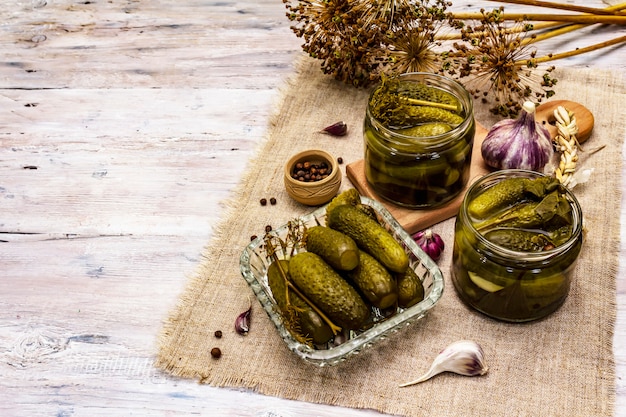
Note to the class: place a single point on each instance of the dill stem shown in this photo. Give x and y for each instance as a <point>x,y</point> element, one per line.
<point>563,6</point>
<point>417,102</point>
<point>549,17</point>
<point>290,286</point>
<point>574,52</point>
<point>561,27</point>
<point>555,32</point>
<point>570,27</point>
<point>335,329</point>
<point>536,26</point>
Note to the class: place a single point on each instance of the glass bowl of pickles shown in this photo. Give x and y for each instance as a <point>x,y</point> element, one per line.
<point>517,237</point>
<point>328,330</point>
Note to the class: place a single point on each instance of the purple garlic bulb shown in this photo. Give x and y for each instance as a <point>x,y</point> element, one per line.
<point>518,143</point>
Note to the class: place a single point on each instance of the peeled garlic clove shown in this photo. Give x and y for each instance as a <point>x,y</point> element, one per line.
<point>518,144</point>
<point>464,357</point>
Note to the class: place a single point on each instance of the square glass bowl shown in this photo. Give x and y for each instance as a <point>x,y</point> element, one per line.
<point>254,263</point>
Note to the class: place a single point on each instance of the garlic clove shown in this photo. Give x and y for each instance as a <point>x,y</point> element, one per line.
<point>430,242</point>
<point>242,322</point>
<point>464,357</point>
<point>336,129</point>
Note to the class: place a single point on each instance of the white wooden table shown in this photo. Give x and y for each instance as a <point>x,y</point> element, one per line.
<point>124,125</point>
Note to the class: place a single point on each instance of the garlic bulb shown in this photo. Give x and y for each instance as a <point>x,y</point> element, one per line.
<point>464,357</point>
<point>518,144</point>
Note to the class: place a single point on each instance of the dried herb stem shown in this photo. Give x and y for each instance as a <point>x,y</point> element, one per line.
<point>417,102</point>
<point>574,52</point>
<point>515,29</point>
<point>563,6</point>
<point>335,329</point>
<point>554,32</point>
<point>570,27</point>
<point>548,17</point>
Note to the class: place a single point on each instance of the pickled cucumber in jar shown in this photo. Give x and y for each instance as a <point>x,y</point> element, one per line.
<point>418,136</point>
<point>517,237</point>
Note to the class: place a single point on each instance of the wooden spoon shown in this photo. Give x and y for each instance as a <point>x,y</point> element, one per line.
<point>584,118</point>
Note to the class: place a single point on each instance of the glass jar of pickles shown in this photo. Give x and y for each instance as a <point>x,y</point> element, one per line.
<point>418,136</point>
<point>517,237</point>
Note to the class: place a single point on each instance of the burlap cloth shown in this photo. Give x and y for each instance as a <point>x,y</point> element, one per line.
<point>559,366</point>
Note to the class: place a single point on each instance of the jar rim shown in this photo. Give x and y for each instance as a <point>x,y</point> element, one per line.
<point>436,81</point>
<point>577,215</point>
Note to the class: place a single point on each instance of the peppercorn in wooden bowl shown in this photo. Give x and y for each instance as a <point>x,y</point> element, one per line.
<point>312,177</point>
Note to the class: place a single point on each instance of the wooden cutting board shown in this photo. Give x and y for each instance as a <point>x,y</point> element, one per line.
<point>414,220</point>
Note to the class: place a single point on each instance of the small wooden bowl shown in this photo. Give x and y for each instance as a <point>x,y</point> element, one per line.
<point>313,193</point>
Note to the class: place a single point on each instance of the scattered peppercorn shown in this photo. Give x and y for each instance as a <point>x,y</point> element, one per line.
<point>216,352</point>
<point>253,237</point>
<point>268,228</point>
<point>263,201</point>
<point>272,201</point>
<point>310,172</point>
<point>340,160</point>
<point>218,334</point>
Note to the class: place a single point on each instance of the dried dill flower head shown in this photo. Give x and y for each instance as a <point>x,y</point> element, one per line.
<point>374,12</point>
<point>410,44</point>
<point>496,64</point>
<point>359,40</point>
<point>334,33</point>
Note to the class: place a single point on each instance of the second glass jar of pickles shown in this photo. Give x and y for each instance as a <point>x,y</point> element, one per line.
<point>517,237</point>
<point>419,133</point>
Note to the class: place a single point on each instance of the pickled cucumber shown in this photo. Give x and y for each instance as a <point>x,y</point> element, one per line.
<point>426,130</point>
<point>374,281</point>
<point>427,114</point>
<point>336,248</point>
<point>370,236</point>
<point>483,283</point>
<point>518,239</point>
<point>551,213</point>
<point>424,92</point>
<point>299,316</point>
<point>412,171</point>
<point>496,197</point>
<point>350,197</point>
<point>403,117</point>
<point>328,290</point>
<point>410,288</point>
<point>510,191</point>
<point>434,191</point>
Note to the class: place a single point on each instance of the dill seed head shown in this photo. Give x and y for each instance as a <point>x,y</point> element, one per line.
<point>497,61</point>
<point>354,40</point>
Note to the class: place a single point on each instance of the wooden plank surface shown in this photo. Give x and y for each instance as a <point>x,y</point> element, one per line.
<point>125,126</point>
